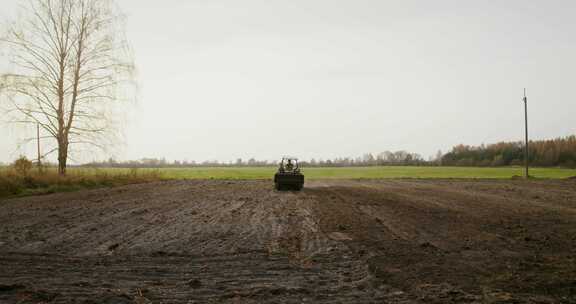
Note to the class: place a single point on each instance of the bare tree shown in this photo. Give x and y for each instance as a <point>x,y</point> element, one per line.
<point>71,64</point>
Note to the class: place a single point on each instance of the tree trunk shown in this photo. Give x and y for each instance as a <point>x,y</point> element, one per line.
<point>62,156</point>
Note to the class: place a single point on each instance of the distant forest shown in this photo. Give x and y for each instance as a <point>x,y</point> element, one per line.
<point>368,159</point>
<point>559,152</point>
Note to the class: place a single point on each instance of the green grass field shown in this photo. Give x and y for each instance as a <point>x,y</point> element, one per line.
<point>12,184</point>
<point>343,173</point>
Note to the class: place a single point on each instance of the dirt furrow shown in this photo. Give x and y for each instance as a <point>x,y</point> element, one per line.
<point>361,241</point>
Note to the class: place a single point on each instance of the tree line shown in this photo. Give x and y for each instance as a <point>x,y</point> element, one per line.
<point>558,152</point>
<point>368,159</point>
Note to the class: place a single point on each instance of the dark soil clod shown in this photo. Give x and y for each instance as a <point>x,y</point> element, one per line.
<point>10,287</point>
<point>113,247</point>
<point>194,283</point>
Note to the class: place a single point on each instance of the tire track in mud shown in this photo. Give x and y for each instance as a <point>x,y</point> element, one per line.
<point>370,239</point>
<point>428,237</point>
<point>202,241</point>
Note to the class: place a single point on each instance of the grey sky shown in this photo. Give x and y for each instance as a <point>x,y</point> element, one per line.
<point>228,79</point>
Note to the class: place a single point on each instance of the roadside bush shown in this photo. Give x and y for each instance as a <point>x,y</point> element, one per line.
<point>22,166</point>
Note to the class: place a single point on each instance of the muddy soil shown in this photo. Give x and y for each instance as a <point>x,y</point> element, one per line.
<point>373,241</point>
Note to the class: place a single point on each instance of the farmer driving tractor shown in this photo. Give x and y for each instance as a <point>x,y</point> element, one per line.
<point>288,176</point>
<point>289,166</point>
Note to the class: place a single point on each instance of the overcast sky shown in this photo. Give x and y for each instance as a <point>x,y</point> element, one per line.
<point>325,78</point>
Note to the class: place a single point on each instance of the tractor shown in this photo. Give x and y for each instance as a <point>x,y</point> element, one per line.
<point>288,176</point>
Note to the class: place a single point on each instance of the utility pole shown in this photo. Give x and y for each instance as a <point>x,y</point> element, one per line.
<point>526,161</point>
<point>38,146</point>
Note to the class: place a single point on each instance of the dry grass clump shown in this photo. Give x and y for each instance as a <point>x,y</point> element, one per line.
<point>20,179</point>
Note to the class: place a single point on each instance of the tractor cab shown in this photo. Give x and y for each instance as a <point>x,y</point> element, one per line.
<point>288,176</point>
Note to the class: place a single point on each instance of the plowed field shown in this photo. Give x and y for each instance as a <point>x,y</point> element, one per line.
<point>343,241</point>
